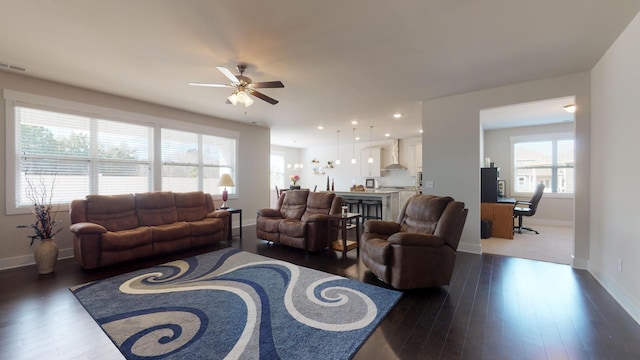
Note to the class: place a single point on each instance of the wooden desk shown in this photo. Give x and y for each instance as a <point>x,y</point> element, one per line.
<point>501,217</point>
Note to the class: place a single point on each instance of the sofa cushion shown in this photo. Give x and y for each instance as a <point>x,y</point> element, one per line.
<point>294,204</point>
<point>126,239</point>
<point>114,212</point>
<point>206,226</point>
<point>318,203</point>
<point>156,208</point>
<point>191,206</point>
<point>292,228</point>
<point>270,225</point>
<point>170,232</point>
<point>422,216</point>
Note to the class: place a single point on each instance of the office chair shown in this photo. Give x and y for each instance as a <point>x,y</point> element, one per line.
<point>530,210</point>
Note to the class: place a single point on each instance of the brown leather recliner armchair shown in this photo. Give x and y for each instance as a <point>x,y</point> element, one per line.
<point>419,250</point>
<point>300,219</point>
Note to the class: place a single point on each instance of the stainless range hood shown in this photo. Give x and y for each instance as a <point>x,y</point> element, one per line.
<point>395,158</point>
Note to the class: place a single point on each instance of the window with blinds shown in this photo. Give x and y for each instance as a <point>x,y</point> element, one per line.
<point>548,161</point>
<point>74,149</point>
<point>196,161</point>
<point>75,155</point>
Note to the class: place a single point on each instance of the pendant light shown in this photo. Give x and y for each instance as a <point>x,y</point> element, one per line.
<point>338,148</point>
<point>370,161</point>
<point>353,153</point>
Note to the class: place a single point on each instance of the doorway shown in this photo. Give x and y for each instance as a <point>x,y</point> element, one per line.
<point>536,123</point>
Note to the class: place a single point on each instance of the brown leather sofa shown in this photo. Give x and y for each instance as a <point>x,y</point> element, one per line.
<point>419,250</point>
<point>116,228</point>
<point>300,220</point>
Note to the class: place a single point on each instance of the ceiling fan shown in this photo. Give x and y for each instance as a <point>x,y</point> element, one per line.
<point>243,87</point>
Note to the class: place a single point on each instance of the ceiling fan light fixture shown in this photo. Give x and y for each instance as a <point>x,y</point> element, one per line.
<point>242,96</point>
<point>233,98</point>
<point>248,101</point>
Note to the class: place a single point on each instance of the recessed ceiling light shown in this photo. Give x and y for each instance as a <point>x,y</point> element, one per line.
<point>320,127</point>
<point>357,137</point>
<point>397,115</point>
<point>387,135</point>
<point>420,131</point>
<point>354,122</point>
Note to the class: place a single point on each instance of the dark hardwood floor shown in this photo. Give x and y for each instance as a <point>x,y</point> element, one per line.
<point>495,308</point>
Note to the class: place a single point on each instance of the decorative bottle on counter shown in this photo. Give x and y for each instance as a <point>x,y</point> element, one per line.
<point>332,188</point>
<point>327,183</point>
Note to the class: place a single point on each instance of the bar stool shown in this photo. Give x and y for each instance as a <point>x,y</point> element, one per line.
<point>368,205</point>
<point>354,207</point>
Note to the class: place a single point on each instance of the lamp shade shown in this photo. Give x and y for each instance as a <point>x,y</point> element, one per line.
<point>226,180</point>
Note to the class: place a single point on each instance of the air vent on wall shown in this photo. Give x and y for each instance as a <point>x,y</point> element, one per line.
<point>4,66</point>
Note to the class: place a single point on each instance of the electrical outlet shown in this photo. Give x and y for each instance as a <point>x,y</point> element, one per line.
<point>429,185</point>
<point>619,265</point>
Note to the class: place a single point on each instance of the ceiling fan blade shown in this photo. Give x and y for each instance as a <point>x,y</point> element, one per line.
<point>264,97</point>
<point>228,74</point>
<point>210,85</point>
<point>268,84</point>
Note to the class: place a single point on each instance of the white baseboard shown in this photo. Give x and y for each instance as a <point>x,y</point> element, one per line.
<point>533,221</point>
<point>24,260</point>
<point>579,263</point>
<point>470,248</point>
<point>627,302</point>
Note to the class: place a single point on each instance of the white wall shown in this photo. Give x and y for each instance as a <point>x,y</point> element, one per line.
<point>615,169</point>
<point>553,209</point>
<point>451,148</point>
<point>253,161</point>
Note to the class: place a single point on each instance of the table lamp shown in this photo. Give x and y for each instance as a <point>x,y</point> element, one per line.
<point>225,180</point>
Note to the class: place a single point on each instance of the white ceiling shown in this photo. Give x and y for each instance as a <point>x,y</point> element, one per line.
<point>339,60</point>
<point>533,113</point>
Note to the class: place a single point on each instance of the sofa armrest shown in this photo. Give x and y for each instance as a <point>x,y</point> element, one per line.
<point>316,218</point>
<point>269,213</point>
<point>87,228</point>
<point>381,227</point>
<point>415,239</point>
<point>219,214</point>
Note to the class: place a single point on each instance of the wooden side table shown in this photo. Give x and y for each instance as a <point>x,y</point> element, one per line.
<point>345,245</point>
<point>231,212</point>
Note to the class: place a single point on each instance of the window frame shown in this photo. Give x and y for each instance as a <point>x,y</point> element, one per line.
<point>15,98</point>
<point>553,137</point>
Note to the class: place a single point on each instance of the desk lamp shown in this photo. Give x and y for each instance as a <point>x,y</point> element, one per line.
<point>225,180</point>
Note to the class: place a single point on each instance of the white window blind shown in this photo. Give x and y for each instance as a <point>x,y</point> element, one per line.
<point>80,149</point>
<point>544,161</point>
<point>192,161</point>
<point>78,155</point>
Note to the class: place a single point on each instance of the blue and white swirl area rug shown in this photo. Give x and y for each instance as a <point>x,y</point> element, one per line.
<point>231,304</point>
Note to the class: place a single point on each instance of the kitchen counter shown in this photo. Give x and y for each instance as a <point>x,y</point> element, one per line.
<point>390,200</point>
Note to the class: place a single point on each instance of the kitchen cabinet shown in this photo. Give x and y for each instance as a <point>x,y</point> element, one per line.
<point>367,169</point>
<point>415,159</point>
<point>404,197</point>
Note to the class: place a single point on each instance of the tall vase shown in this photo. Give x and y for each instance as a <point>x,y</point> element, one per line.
<point>46,255</point>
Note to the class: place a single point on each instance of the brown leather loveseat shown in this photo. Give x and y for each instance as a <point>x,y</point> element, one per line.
<point>109,229</point>
<point>419,250</point>
<point>300,219</point>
